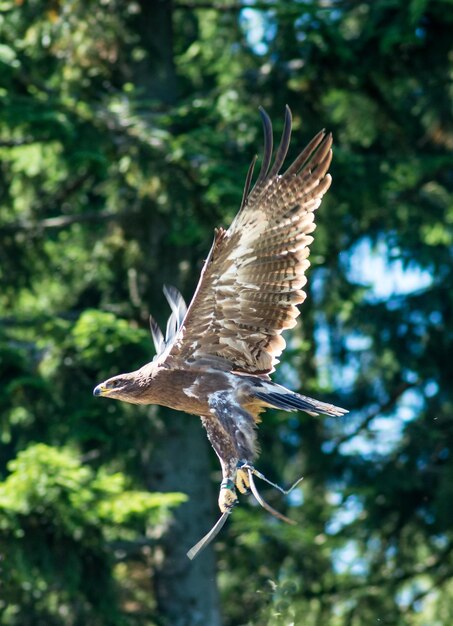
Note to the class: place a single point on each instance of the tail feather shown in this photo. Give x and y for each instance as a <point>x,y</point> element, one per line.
<point>291,401</point>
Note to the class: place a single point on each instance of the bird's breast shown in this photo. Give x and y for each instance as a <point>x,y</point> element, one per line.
<point>188,390</point>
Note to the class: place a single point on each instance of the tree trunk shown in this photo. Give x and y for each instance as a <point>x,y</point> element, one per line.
<point>155,74</point>
<point>186,591</point>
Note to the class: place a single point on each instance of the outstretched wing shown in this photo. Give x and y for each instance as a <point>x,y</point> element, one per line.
<point>253,277</point>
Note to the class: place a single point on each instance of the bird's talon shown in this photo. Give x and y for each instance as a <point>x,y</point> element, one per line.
<point>242,481</point>
<point>227,496</point>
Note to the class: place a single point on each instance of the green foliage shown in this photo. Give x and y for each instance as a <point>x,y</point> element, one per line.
<point>53,483</point>
<point>57,519</point>
<point>123,143</point>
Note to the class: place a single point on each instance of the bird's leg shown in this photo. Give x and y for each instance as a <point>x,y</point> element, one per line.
<point>232,433</point>
<point>225,448</point>
<point>227,495</point>
<point>221,442</point>
<point>233,475</point>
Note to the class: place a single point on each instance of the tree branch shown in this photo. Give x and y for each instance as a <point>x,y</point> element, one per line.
<point>14,143</point>
<point>124,550</point>
<point>240,6</point>
<point>61,221</point>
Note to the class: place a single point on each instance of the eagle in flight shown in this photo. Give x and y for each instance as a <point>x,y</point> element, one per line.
<point>217,354</point>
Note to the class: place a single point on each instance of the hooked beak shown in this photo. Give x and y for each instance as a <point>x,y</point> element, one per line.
<point>100,390</point>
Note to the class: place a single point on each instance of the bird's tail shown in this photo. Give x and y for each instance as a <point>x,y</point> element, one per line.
<point>279,397</point>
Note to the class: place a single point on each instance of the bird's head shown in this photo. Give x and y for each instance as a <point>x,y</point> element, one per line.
<point>136,387</point>
<point>123,387</point>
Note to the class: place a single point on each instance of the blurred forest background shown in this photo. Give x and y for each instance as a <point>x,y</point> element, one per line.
<point>126,130</point>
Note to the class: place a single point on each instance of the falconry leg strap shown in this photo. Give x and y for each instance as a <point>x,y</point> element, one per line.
<point>254,472</point>
<point>244,466</point>
<point>246,469</point>
<point>206,540</point>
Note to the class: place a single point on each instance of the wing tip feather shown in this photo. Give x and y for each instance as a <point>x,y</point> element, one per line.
<point>241,347</point>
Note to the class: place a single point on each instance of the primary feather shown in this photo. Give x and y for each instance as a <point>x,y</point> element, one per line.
<point>179,309</point>
<point>254,275</point>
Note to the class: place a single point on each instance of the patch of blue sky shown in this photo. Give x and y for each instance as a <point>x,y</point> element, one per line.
<point>296,497</point>
<point>384,433</point>
<point>407,597</point>
<point>385,278</point>
<point>347,511</point>
<point>348,560</point>
<point>257,29</point>
<point>373,267</point>
<point>340,377</point>
<point>287,374</point>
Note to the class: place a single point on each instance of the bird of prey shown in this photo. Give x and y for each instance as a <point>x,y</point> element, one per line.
<point>217,354</point>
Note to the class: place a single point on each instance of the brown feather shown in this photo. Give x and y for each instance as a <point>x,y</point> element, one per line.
<point>254,275</point>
